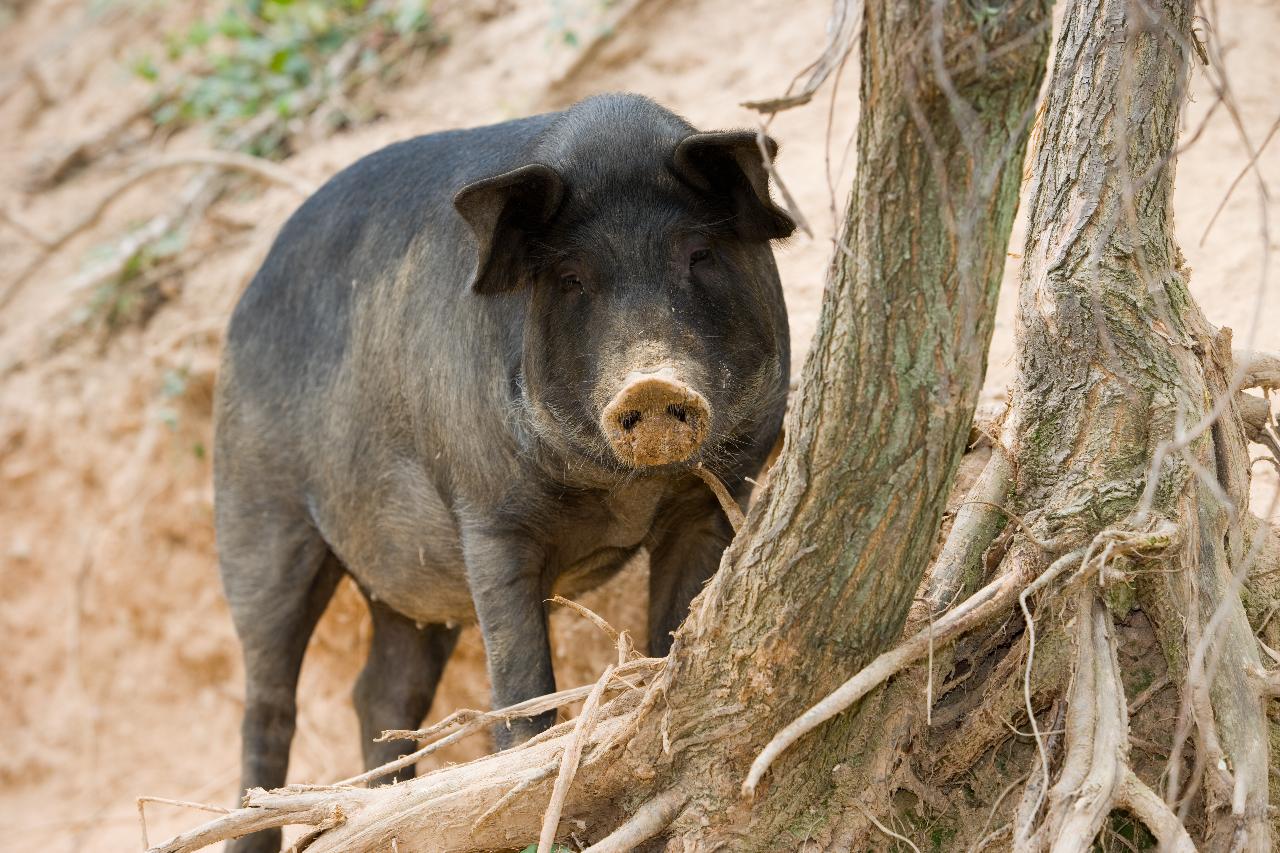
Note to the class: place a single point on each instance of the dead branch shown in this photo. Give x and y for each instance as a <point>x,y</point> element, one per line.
<point>1255,414</point>
<point>142,814</point>
<point>313,810</point>
<point>471,722</point>
<point>1258,369</point>
<point>842,35</point>
<point>569,762</point>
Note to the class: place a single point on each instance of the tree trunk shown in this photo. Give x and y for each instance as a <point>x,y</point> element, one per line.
<point>1129,498</point>
<point>1122,432</point>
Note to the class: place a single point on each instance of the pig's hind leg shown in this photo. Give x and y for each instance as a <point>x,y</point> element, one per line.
<point>279,577</point>
<point>398,682</point>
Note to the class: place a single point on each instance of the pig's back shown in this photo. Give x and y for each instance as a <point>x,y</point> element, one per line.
<point>362,296</point>
<point>294,321</point>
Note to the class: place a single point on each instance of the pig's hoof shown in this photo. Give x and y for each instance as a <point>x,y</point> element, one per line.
<point>655,420</point>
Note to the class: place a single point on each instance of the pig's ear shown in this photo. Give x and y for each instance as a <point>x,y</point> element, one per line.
<point>501,211</point>
<point>728,165</point>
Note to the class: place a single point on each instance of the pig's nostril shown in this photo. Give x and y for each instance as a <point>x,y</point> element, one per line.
<point>655,420</point>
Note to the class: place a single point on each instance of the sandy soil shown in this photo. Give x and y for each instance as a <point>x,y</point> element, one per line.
<point>121,671</point>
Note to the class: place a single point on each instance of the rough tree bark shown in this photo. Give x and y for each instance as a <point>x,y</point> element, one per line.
<point>1117,373</point>
<point>1123,432</point>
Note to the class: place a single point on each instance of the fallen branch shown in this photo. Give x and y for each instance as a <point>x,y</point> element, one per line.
<point>304,810</point>
<point>569,762</point>
<point>474,721</point>
<point>142,814</point>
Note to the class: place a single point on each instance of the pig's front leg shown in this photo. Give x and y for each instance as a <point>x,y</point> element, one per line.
<point>507,579</point>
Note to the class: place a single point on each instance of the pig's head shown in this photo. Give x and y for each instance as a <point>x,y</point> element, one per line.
<point>655,333</point>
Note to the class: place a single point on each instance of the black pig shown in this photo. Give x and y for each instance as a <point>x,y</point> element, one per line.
<point>476,368</point>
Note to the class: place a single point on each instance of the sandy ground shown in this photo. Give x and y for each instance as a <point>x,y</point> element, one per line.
<point>121,673</point>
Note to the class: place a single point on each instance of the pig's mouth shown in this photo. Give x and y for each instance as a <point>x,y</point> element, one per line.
<point>655,420</point>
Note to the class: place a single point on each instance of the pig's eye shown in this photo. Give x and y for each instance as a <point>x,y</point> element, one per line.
<point>570,282</point>
<point>698,256</point>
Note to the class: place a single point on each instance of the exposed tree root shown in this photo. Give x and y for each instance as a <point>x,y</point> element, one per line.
<point>649,820</point>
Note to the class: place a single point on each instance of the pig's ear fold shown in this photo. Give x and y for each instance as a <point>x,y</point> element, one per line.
<point>501,211</point>
<point>728,166</point>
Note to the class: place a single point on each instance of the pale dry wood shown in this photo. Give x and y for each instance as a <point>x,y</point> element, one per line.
<point>569,762</point>
<point>1147,807</point>
<point>1096,741</point>
<point>234,824</point>
<point>1258,370</point>
<point>142,814</point>
<point>470,722</point>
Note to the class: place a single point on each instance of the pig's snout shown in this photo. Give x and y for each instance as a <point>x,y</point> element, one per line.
<point>655,419</point>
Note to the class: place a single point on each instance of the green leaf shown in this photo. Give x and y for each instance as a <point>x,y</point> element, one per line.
<point>145,67</point>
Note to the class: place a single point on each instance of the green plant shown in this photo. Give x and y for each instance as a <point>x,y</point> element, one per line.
<point>260,56</point>
<point>133,297</point>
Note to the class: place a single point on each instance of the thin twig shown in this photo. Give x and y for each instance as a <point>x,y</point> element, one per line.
<point>569,762</point>
<point>183,804</point>
<point>727,503</point>
<point>887,831</point>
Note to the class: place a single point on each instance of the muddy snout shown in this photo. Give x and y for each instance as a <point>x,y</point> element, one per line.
<point>655,419</point>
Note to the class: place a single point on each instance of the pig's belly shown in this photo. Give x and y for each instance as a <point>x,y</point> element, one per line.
<point>427,582</point>
<point>419,573</point>
<point>405,551</point>
<point>591,571</point>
